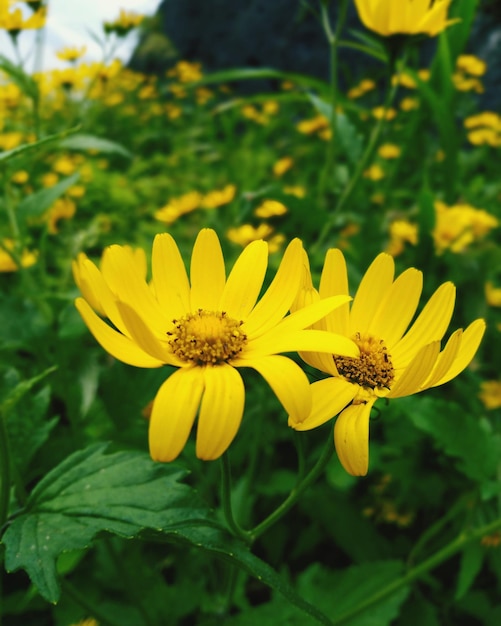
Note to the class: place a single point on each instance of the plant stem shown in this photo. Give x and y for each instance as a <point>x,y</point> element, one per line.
<point>333,40</point>
<point>5,475</point>
<point>83,601</point>
<point>292,498</point>
<point>233,525</point>
<point>439,557</point>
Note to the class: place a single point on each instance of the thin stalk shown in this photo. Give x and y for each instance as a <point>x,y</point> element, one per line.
<point>370,148</point>
<point>233,525</point>
<point>433,561</point>
<point>333,40</point>
<point>5,473</point>
<point>83,601</point>
<point>292,498</point>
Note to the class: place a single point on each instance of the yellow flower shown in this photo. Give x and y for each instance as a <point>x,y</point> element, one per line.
<point>126,21</point>
<point>14,21</point>
<point>295,190</point>
<point>408,104</point>
<point>471,64</point>
<point>490,394</point>
<point>457,226</point>
<point>270,208</point>
<point>393,363</point>
<point>205,327</point>
<point>492,294</point>
<point>8,264</point>
<point>62,209</point>
<point>404,17</point>
<point>20,177</point>
<point>389,151</point>
<point>179,206</point>
<point>374,172</point>
<point>283,165</point>
<point>9,141</point>
<point>401,232</point>
<point>71,54</point>
<point>380,112</point>
<point>219,197</point>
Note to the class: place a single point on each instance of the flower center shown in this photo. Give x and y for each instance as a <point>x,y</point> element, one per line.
<point>372,369</point>
<point>207,337</point>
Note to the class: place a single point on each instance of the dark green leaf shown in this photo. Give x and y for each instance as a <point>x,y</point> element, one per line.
<point>472,559</point>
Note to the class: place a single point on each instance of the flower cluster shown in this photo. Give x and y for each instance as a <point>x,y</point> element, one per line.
<point>209,326</point>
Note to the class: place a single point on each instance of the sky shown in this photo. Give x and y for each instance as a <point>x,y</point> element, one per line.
<point>68,24</point>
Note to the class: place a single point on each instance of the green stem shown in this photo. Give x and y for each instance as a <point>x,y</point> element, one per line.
<point>292,498</point>
<point>233,525</point>
<point>436,559</point>
<point>363,162</point>
<point>5,475</point>
<point>333,40</point>
<point>83,601</point>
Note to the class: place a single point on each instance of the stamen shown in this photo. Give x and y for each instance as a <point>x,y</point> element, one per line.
<point>207,337</point>
<point>373,369</point>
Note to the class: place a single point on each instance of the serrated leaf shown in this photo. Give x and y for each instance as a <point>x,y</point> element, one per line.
<point>122,493</point>
<point>472,559</point>
<point>91,142</point>
<point>37,203</point>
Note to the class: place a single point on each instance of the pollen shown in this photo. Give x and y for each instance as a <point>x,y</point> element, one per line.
<point>373,369</point>
<point>207,337</point>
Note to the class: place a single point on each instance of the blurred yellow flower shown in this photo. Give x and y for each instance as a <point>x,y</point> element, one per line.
<point>270,208</point>
<point>206,327</point>
<point>71,53</point>
<point>361,89</point>
<point>490,394</point>
<point>389,151</point>
<point>62,209</point>
<point>283,165</point>
<point>374,172</point>
<point>64,165</point>
<point>471,64</point>
<point>404,17</point>
<point>20,177</point>
<point>8,264</point>
<point>245,234</point>
<point>313,125</point>
<point>457,226</point>
<point>295,190</point>
<point>492,294</point>
<point>50,179</point>
<point>179,206</point>
<point>11,140</point>
<point>124,23</point>
<point>395,360</point>
<point>409,104</point>
<point>401,232</point>
<point>218,197</point>
<point>380,112</point>
<point>14,21</point>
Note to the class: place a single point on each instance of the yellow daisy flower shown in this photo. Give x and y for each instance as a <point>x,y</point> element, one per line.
<point>404,17</point>
<point>206,327</point>
<point>393,363</point>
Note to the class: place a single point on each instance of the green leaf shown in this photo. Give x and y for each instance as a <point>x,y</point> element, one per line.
<point>472,559</point>
<point>19,77</point>
<point>27,147</point>
<point>342,594</point>
<point>37,203</point>
<point>91,142</point>
<point>20,390</point>
<point>123,493</point>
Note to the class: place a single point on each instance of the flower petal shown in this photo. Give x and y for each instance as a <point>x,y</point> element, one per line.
<point>288,381</point>
<point>398,307</point>
<point>174,411</point>
<point>119,346</point>
<point>329,397</point>
<point>416,372</point>
<point>334,282</point>
<point>373,287</point>
<point>445,359</point>
<point>351,438</point>
<point>220,412</point>
<point>300,340</point>
<point>279,296</point>
<point>245,281</point>
<point>207,272</point>
<point>470,341</point>
<point>170,280</point>
<point>430,326</point>
<point>305,317</point>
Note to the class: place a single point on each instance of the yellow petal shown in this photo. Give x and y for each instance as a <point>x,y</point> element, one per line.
<point>169,277</point>
<point>373,287</point>
<point>220,412</point>
<point>300,340</point>
<point>416,372</point>
<point>398,307</point>
<point>207,272</point>
<point>245,281</point>
<point>307,316</point>
<point>329,397</point>
<point>445,360</point>
<point>279,296</point>
<point>351,438</point>
<point>334,282</point>
<point>288,381</point>
<point>125,279</point>
<point>174,411</point>
<point>470,342</point>
<point>119,346</point>
<point>430,326</point>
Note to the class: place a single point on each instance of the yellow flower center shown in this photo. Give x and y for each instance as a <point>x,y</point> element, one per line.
<point>207,337</point>
<point>372,369</point>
